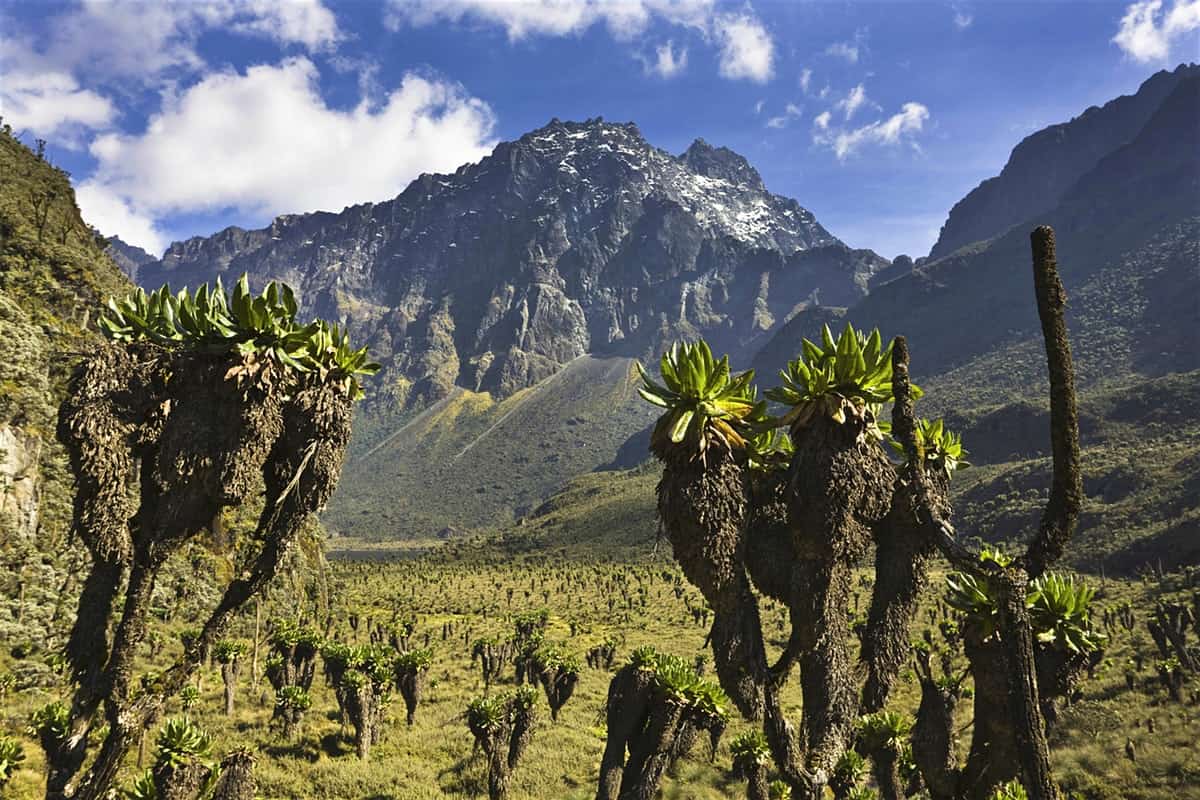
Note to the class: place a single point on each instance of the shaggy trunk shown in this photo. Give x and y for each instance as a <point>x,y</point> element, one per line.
<point>902,551</point>
<point>411,684</point>
<point>237,778</point>
<point>704,512</point>
<point>229,673</point>
<point>933,741</point>
<point>841,486</point>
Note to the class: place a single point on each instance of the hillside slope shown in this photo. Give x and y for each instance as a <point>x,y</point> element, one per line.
<point>1049,162</point>
<point>54,276</point>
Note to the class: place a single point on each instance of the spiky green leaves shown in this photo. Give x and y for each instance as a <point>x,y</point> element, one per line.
<point>839,378</point>
<point>1060,611</point>
<point>749,751</point>
<point>229,650</point>
<point>677,678</point>
<point>293,699</point>
<point>941,447</point>
<point>12,755</point>
<point>181,741</point>
<point>884,730</point>
<point>262,326</point>
<point>414,661</point>
<point>770,449</point>
<point>706,405</point>
<point>50,724</point>
<point>1013,790</point>
<point>1059,608</point>
<point>501,709</point>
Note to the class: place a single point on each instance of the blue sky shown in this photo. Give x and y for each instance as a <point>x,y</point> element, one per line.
<point>177,119</point>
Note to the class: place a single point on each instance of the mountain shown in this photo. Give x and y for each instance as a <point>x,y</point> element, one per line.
<point>508,300</point>
<point>1045,165</point>
<point>128,257</point>
<point>1128,233</point>
<point>576,239</point>
<point>54,276</point>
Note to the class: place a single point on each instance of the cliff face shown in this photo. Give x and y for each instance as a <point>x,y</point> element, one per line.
<point>1046,164</point>
<point>578,238</point>
<point>128,257</point>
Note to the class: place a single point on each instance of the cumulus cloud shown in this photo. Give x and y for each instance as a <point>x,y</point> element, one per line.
<point>805,79</point>
<point>522,18</point>
<point>265,142</point>
<point>1147,34</point>
<point>896,129</point>
<point>667,62</point>
<point>747,51</point>
<point>113,215</point>
<point>52,105</point>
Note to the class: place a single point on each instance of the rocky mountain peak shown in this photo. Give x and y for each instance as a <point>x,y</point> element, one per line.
<point>722,163</point>
<point>576,238</point>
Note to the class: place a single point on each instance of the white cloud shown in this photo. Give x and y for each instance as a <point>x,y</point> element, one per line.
<point>522,18</point>
<point>962,19</point>
<point>114,216</point>
<point>265,142</point>
<point>148,40</point>
<point>1146,34</point>
<point>746,48</point>
<point>855,100</point>
<point>668,63</point>
<point>821,121</point>
<point>790,112</point>
<point>805,79</point>
<point>305,22</point>
<point>52,104</point>
<point>758,107</point>
<point>898,128</point>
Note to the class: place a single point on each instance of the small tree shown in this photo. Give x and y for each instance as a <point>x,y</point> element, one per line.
<point>198,402</point>
<point>657,707</point>
<point>228,654</point>
<point>503,727</point>
<point>558,674</point>
<point>411,670</point>
<point>366,688</point>
<point>746,506</point>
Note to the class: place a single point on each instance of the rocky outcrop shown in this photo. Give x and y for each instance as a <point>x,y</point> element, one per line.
<point>128,257</point>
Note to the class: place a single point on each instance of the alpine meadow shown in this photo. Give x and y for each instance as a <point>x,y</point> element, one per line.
<point>573,458</point>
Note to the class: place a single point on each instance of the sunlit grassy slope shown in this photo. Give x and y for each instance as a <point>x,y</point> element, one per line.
<point>469,461</point>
